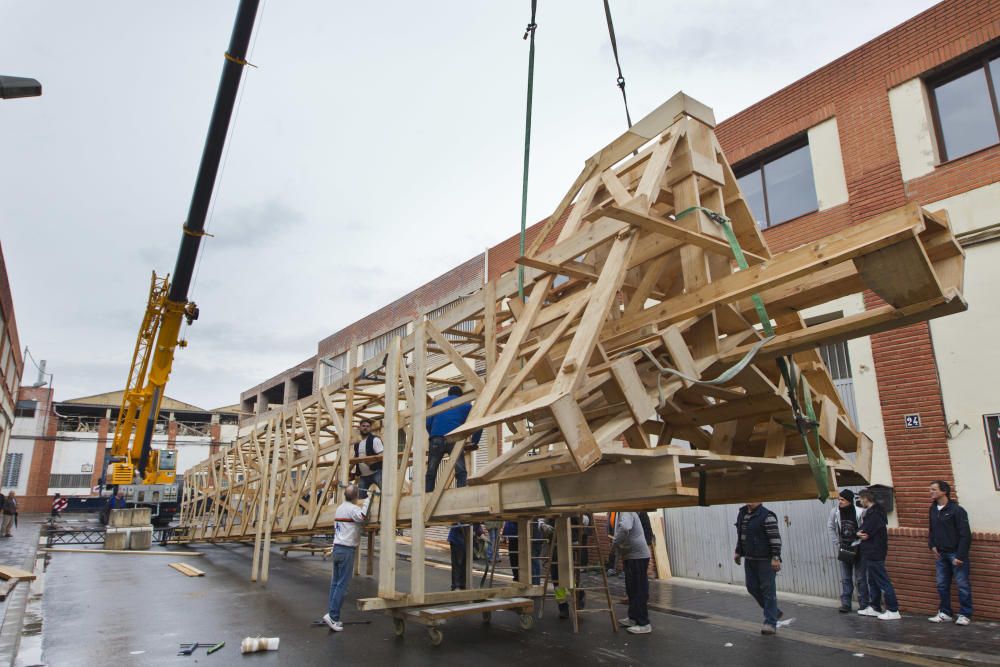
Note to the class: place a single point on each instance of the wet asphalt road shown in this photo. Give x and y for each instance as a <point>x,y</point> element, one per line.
<point>103,609</point>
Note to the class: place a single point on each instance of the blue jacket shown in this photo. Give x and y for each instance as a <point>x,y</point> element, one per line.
<point>456,535</point>
<point>445,422</point>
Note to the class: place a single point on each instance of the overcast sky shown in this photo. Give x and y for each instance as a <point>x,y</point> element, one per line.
<point>378,145</point>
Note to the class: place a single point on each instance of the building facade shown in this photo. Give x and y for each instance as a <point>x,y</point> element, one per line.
<point>911,116</point>
<point>65,446</point>
<point>11,361</point>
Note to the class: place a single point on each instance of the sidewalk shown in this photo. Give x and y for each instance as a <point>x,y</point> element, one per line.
<point>19,551</point>
<point>813,620</point>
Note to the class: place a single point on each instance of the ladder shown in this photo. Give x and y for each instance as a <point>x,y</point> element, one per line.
<point>584,531</point>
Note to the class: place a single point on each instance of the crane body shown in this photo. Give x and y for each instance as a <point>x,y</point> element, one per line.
<point>148,475</point>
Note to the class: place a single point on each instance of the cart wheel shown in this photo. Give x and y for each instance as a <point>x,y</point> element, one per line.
<point>487,616</point>
<point>527,621</point>
<point>399,626</point>
<point>436,636</point>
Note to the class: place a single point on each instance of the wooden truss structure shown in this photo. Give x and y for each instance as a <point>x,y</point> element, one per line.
<point>635,374</point>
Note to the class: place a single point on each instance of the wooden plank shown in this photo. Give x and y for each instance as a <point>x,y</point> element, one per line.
<point>388,505</point>
<point>901,274</point>
<point>187,570</point>
<point>853,242</point>
<point>660,546</point>
<point>10,572</point>
<point>419,439</point>
<point>445,597</point>
<point>674,231</point>
<point>580,439</point>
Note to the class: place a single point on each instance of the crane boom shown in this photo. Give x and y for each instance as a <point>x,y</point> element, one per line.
<point>168,305</point>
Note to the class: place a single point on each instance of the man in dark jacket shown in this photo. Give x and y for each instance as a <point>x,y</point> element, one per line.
<point>759,543</point>
<point>440,425</point>
<point>949,540</point>
<point>456,540</point>
<point>874,548</point>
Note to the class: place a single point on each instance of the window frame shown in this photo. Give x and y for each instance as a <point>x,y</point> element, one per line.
<point>757,163</point>
<point>980,61</point>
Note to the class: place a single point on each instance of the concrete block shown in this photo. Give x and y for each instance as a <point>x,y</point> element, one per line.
<point>140,539</point>
<point>116,538</point>
<point>120,518</point>
<point>141,516</point>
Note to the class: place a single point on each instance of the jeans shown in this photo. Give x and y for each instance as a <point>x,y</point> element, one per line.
<point>760,584</point>
<point>364,481</point>
<point>852,576</point>
<point>438,448</point>
<point>343,568</point>
<point>637,589</point>
<point>946,571</point>
<point>493,535</point>
<point>512,554</point>
<point>879,585</point>
<point>457,566</point>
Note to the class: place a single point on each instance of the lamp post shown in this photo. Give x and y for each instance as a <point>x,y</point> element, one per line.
<point>12,87</point>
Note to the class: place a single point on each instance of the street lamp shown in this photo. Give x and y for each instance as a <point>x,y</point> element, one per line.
<point>18,86</point>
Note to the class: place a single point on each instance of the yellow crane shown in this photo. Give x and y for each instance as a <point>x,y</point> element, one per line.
<point>148,474</point>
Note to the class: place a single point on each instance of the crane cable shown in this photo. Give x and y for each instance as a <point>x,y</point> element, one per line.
<point>618,64</point>
<point>529,34</point>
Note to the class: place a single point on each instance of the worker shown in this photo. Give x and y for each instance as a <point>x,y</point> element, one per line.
<point>610,565</point>
<point>9,514</point>
<point>348,520</point>
<point>440,425</point>
<point>631,541</point>
<point>58,505</point>
<point>369,472</point>
<point>456,541</point>
<point>758,545</point>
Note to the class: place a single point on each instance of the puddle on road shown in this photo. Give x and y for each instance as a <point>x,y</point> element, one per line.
<point>29,653</point>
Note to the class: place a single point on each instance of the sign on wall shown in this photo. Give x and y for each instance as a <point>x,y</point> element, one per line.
<point>912,421</point>
<point>87,467</point>
<point>992,425</point>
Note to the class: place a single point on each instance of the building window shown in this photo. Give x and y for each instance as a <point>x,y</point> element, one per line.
<point>12,469</point>
<point>992,425</point>
<point>965,107</point>
<point>377,346</point>
<point>69,481</point>
<point>25,409</point>
<point>779,186</point>
<point>332,369</point>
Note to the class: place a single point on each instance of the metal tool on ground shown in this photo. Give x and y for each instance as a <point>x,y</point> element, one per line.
<point>189,649</point>
<point>321,623</point>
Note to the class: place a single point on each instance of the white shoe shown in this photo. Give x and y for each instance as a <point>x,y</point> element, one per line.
<point>640,629</point>
<point>868,611</point>
<point>962,620</point>
<point>940,617</point>
<point>889,616</point>
<point>336,626</point>
<point>626,622</point>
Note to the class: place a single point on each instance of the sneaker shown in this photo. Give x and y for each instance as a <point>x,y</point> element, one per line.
<point>626,622</point>
<point>640,629</point>
<point>336,626</point>
<point>845,609</point>
<point>962,620</point>
<point>868,611</point>
<point>889,616</point>
<point>768,629</point>
<point>612,573</point>
<point>940,617</point>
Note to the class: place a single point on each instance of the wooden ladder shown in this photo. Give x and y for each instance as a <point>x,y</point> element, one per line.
<point>584,531</point>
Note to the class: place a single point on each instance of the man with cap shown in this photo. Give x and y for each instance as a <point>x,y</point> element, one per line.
<point>845,520</point>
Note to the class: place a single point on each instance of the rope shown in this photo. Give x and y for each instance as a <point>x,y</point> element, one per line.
<point>529,32</point>
<point>804,424</point>
<point>618,64</point>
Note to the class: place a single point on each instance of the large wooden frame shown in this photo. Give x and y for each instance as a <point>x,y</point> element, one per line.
<point>572,375</point>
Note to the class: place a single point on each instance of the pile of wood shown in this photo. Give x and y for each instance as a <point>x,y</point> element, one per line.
<point>635,373</point>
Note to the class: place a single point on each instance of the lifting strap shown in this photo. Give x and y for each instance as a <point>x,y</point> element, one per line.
<point>806,424</point>
<point>529,34</point>
<point>618,64</point>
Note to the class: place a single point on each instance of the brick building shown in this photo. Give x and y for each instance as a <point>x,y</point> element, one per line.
<point>910,116</point>
<point>64,446</point>
<point>11,362</point>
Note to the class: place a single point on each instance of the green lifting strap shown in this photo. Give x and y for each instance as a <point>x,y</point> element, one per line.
<point>529,32</point>
<point>804,424</point>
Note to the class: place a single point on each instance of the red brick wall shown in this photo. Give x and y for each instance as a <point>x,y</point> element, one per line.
<point>911,568</point>
<point>36,499</point>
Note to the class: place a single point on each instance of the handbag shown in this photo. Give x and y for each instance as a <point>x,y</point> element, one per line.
<point>847,554</point>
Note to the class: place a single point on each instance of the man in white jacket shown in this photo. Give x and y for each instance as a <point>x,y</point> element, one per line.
<point>843,525</point>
